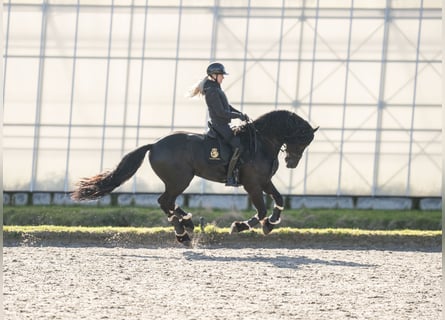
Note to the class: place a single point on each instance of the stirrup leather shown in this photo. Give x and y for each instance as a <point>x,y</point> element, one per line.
<point>232,163</point>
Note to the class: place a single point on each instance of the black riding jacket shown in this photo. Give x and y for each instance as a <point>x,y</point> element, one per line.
<point>220,111</point>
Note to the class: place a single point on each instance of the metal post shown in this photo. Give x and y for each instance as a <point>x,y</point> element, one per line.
<point>381,102</point>
<point>297,87</point>
<point>246,46</point>
<point>214,40</point>
<point>6,52</point>
<point>107,80</point>
<point>178,41</point>
<point>41,71</point>
<point>127,80</point>
<point>300,50</point>
<point>280,45</point>
<point>314,50</point>
<point>345,99</point>
<point>413,108</point>
<point>141,81</point>
<point>70,121</point>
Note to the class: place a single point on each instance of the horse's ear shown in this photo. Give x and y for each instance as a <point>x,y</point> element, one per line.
<point>316,129</point>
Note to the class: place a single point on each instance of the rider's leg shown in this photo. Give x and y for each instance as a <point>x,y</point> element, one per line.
<point>232,171</point>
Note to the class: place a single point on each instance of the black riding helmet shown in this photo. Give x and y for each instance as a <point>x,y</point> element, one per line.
<point>216,68</point>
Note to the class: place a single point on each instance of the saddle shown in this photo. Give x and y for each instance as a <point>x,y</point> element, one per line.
<point>219,152</point>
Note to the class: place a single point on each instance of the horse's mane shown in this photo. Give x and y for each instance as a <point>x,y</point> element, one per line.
<point>286,124</point>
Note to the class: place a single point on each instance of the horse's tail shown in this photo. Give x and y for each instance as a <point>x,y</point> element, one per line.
<point>103,183</point>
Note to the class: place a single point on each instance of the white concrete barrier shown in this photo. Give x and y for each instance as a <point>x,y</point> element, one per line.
<point>19,199</point>
<point>386,203</point>
<point>151,200</point>
<point>41,199</point>
<point>228,201</point>
<point>430,204</point>
<point>321,202</point>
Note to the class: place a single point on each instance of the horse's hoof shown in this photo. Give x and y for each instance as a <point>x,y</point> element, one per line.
<point>233,228</point>
<point>238,226</point>
<point>187,244</point>
<point>184,239</point>
<point>188,225</point>
<point>267,226</point>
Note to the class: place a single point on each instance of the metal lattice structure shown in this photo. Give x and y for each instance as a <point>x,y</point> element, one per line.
<point>87,81</point>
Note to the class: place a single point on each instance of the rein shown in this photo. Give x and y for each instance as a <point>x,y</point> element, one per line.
<point>252,137</point>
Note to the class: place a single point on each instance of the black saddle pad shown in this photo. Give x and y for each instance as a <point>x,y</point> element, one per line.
<point>217,151</point>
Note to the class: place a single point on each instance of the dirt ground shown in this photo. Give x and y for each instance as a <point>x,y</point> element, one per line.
<point>220,283</point>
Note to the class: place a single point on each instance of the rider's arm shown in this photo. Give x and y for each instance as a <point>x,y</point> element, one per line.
<point>215,102</point>
<point>234,110</point>
<point>242,116</point>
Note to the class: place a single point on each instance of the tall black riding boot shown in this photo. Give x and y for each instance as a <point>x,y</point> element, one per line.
<point>232,172</point>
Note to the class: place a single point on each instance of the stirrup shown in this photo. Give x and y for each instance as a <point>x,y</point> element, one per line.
<point>232,181</point>
<point>232,184</point>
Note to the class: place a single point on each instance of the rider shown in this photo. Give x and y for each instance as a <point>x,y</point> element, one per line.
<point>221,113</point>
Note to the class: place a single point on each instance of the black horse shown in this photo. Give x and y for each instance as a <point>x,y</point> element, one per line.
<point>180,156</point>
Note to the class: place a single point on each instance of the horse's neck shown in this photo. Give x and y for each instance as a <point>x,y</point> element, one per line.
<point>271,144</point>
<point>271,136</point>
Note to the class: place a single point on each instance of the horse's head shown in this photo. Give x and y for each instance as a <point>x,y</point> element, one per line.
<point>288,129</point>
<point>295,147</point>
<point>293,155</point>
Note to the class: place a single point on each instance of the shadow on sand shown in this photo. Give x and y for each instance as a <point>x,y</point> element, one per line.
<point>279,261</point>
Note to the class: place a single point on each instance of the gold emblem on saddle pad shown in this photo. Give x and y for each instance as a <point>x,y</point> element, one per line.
<point>214,154</point>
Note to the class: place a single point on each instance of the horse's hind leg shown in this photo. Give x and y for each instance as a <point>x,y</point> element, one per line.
<point>167,203</point>
<point>185,218</point>
<point>170,159</point>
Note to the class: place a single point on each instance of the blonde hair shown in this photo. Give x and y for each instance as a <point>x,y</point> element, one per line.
<point>198,89</point>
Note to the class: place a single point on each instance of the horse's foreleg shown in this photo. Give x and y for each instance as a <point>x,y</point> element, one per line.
<point>258,202</point>
<point>274,219</point>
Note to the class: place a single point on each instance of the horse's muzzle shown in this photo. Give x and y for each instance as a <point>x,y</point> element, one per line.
<point>291,165</point>
<point>292,162</point>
